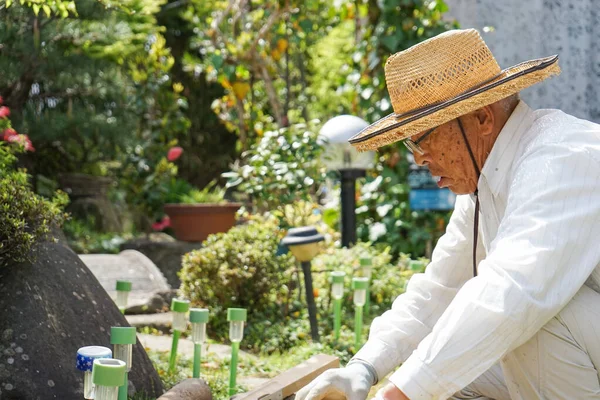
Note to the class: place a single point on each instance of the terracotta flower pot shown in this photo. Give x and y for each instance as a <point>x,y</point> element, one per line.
<point>194,222</point>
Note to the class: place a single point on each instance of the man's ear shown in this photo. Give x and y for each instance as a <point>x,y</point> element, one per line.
<point>484,120</point>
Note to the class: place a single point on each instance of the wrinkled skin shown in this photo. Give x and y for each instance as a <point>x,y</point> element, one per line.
<point>446,153</point>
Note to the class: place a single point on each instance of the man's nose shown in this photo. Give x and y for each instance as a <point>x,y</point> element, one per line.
<point>422,160</point>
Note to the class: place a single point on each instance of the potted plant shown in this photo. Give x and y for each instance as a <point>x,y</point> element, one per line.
<point>201,213</point>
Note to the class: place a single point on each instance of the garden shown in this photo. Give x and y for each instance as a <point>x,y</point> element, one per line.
<point>201,122</point>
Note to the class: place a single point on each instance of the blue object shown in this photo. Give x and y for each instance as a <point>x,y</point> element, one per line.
<point>432,199</point>
<point>282,250</point>
<point>87,355</point>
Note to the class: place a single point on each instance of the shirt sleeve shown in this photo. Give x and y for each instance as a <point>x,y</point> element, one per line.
<point>545,249</point>
<point>395,334</point>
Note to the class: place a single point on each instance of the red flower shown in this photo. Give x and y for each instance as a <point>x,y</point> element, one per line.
<point>162,225</point>
<point>8,132</point>
<point>4,112</point>
<point>174,153</point>
<point>1,100</point>
<point>23,140</point>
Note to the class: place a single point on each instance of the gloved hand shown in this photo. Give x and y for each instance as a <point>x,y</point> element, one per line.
<point>351,383</point>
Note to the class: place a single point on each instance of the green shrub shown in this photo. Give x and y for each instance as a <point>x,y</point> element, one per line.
<point>283,167</point>
<point>24,216</point>
<point>239,269</point>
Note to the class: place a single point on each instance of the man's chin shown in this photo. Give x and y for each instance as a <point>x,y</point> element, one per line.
<point>458,190</point>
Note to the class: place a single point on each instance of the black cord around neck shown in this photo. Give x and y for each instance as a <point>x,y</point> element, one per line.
<point>476,193</point>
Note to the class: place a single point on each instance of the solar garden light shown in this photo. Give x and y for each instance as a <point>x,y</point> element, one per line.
<point>236,318</point>
<point>108,375</point>
<point>337,292</point>
<point>198,318</point>
<point>366,265</point>
<point>123,338</point>
<point>360,286</point>
<point>123,289</point>
<point>179,308</point>
<point>303,243</point>
<point>85,362</point>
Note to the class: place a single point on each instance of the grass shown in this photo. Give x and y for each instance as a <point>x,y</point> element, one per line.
<point>215,371</point>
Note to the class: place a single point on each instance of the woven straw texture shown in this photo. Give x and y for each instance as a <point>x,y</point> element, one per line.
<point>455,68</point>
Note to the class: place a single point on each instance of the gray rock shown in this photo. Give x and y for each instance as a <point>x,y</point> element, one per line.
<point>148,283</point>
<point>166,254</point>
<point>49,309</point>
<point>189,389</point>
<point>159,302</point>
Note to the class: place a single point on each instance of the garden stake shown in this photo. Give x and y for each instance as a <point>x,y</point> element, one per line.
<point>85,361</point>
<point>179,308</point>
<point>367,268</point>
<point>337,292</point>
<point>123,338</point>
<point>236,318</point>
<point>198,318</point>
<point>360,286</point>
<point>123,289</point>
<point>108,374</point>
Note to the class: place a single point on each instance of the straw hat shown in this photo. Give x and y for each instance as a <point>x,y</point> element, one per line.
<point>441,79</point>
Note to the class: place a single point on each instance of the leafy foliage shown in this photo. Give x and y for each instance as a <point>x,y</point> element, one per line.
<point>210,194</point>
<point>238,269</point>
<point>26,217</point>
<point>284,166</point>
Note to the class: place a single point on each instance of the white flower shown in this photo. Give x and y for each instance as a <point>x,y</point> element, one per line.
<point>376,231</point>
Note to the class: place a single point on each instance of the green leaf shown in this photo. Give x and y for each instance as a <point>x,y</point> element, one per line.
<point>47,10</point>
<point>36,9</point>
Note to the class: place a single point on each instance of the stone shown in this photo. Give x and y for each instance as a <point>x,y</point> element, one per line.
<point>49,308</point>
<point>166,254</point>
<point>159,302</point>
<point>523,30</point>
<point>189,389</point>
<point>131,265</point>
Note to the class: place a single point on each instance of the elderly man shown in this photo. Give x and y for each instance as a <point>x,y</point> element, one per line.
<point>509,306</point>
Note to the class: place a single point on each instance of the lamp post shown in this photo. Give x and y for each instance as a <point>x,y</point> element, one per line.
<point>360,286</point>
<point>180,309</point>
<point>198,318</point>
<point>303,243</point>
<point>236,318</point>
<point>340,156</point>
<point>123,289</point>
<point>337,292</point>
<point>123,339</point>
<point>85,361</point>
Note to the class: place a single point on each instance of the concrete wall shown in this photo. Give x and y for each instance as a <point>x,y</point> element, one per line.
<point>526,29</point>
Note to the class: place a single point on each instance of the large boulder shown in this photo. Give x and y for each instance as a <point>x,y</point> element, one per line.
<point>165,253</point>
<point>49,309</point>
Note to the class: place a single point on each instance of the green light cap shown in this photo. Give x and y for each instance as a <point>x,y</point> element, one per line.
<point>338,276</point>
<point>109,372</point>
<point>360,283</point>
<point>366,261</point>
<point>198,315</point>
<point>236,314</point>
<point>123,286</point>
<point>122,335</point>
<point>180,305</point>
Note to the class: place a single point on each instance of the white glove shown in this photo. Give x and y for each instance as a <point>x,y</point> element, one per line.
<point>350,383</point>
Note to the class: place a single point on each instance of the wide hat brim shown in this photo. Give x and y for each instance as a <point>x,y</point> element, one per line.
<point>394,127</point>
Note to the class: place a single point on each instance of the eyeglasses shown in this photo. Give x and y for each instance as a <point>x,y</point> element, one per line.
<point>413,146</point>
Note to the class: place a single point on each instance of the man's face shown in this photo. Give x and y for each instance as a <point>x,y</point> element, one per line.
<point>447,157</point>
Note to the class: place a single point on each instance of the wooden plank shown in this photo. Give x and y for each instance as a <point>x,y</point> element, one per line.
<point>292,380</point>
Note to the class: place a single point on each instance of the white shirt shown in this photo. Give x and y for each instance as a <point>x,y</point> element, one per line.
<point>539,243</point>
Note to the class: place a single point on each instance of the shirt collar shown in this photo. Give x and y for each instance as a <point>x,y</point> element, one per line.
<point>495,169</point>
